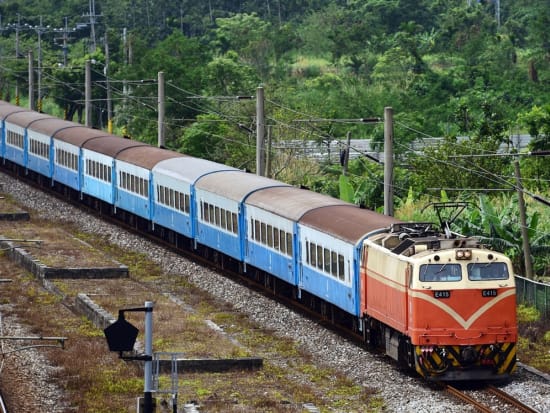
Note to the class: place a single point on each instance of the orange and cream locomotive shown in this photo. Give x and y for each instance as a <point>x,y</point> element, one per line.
<point>445,307</point>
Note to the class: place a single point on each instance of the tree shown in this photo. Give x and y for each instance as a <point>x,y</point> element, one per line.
<point>220,141</point>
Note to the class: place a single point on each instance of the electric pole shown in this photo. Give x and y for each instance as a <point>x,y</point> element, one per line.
<point>260,132</point>
<point>523,224</point>
<point>388,161</point>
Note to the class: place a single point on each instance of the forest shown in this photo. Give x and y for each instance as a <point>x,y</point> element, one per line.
<point>450,69</point>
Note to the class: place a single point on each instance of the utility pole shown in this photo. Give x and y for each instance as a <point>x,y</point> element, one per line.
<point>388,161</point>
<point>260,132</point>
<point>17,29</point>
<point>148,368</point>
<point>88,93</point>
<point>161,140</point>
<point>523,224</point>
<point>39,30</point>
<point>108,85</point>
<point>92,16</point>
<point>31,81</point>
<point>268,151</point>
<point>345,161</point>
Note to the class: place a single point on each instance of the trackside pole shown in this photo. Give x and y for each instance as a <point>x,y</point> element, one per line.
<point>148,368</point>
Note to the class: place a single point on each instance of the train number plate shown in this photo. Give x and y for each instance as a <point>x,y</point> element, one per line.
<point>442,294</point>
<point>489,293</point>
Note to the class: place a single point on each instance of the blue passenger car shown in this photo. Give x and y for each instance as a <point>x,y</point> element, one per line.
<point>271,217</point>
<point>19,145</point>
<point>134,178</point>
<point>174,195</point>
<point>330,241</point>
<point>68,138</point>
<point>98,163</point>
<point>220,220</point>
<point>16,135</point>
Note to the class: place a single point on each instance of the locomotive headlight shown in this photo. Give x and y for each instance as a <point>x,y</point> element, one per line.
<point>463,254</point>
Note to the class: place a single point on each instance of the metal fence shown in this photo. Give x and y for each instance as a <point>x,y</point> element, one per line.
<point>534,294</point>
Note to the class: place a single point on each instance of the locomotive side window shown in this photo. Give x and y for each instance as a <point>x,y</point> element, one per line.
<point>440,272</point>
<point>487,271</point>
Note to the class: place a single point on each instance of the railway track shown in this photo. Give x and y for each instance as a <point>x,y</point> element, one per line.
<point>483,400</point>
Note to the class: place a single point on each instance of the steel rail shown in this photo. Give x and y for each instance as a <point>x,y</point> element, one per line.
<point>510,399</point>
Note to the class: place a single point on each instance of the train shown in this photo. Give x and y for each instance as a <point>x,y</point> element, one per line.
<point>438,303</point>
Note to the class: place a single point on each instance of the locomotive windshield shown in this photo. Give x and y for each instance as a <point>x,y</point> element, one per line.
<point>440,272</point>
<point>487,271</point>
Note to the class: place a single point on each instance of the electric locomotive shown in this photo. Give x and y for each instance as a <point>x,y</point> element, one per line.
<point>444,306</point>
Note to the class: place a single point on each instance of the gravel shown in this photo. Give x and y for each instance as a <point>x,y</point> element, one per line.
<point>400,392</point>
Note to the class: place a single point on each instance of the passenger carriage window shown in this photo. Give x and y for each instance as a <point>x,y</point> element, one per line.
<point>187,203</point>
<point>334,263</point>
<point>313,254</point>
<point>326,256</point>
<point>282,242</point>
<point>319,257</point>
<point>341,267</point>
<point>206,212</point>
<point>171,197</point>
<point>276,238</point>
<point>230,222</point>
<point>223,222</point>
<point>263,233</point>
<point>234,221</point>
<point>217,212</point>
<point>257,230</point>
<point>487,271</point>
<point>289,244</point>
<point>440,272</point>
<point>270,235</point>
<point>211,216</point>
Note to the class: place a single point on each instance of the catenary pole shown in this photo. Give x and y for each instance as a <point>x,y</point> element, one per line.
<point>523,224</point>
<point>388,161</point>
<point>88,93</point>
<point>148,368</point>
<point>161,142</point>
<point>31,81</point>
<point>260,132</point>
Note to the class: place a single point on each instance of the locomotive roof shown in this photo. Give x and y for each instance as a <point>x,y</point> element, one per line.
<point>347,222</point>
<point>24,118</point>
<point>147,156</point>
<point>190,169</point>
<point>290,202</point>
<point>235,185</point>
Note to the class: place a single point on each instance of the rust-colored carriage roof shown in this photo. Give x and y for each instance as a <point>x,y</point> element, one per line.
<point>24,118</point>
<point>290,202</point>
<point>109,145</point>
<point>347,222</point>
<point>79,135</point>
<point>7,109</point>
<point>235,185</point>
<point>50,125</point>
<point>147,156</point>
